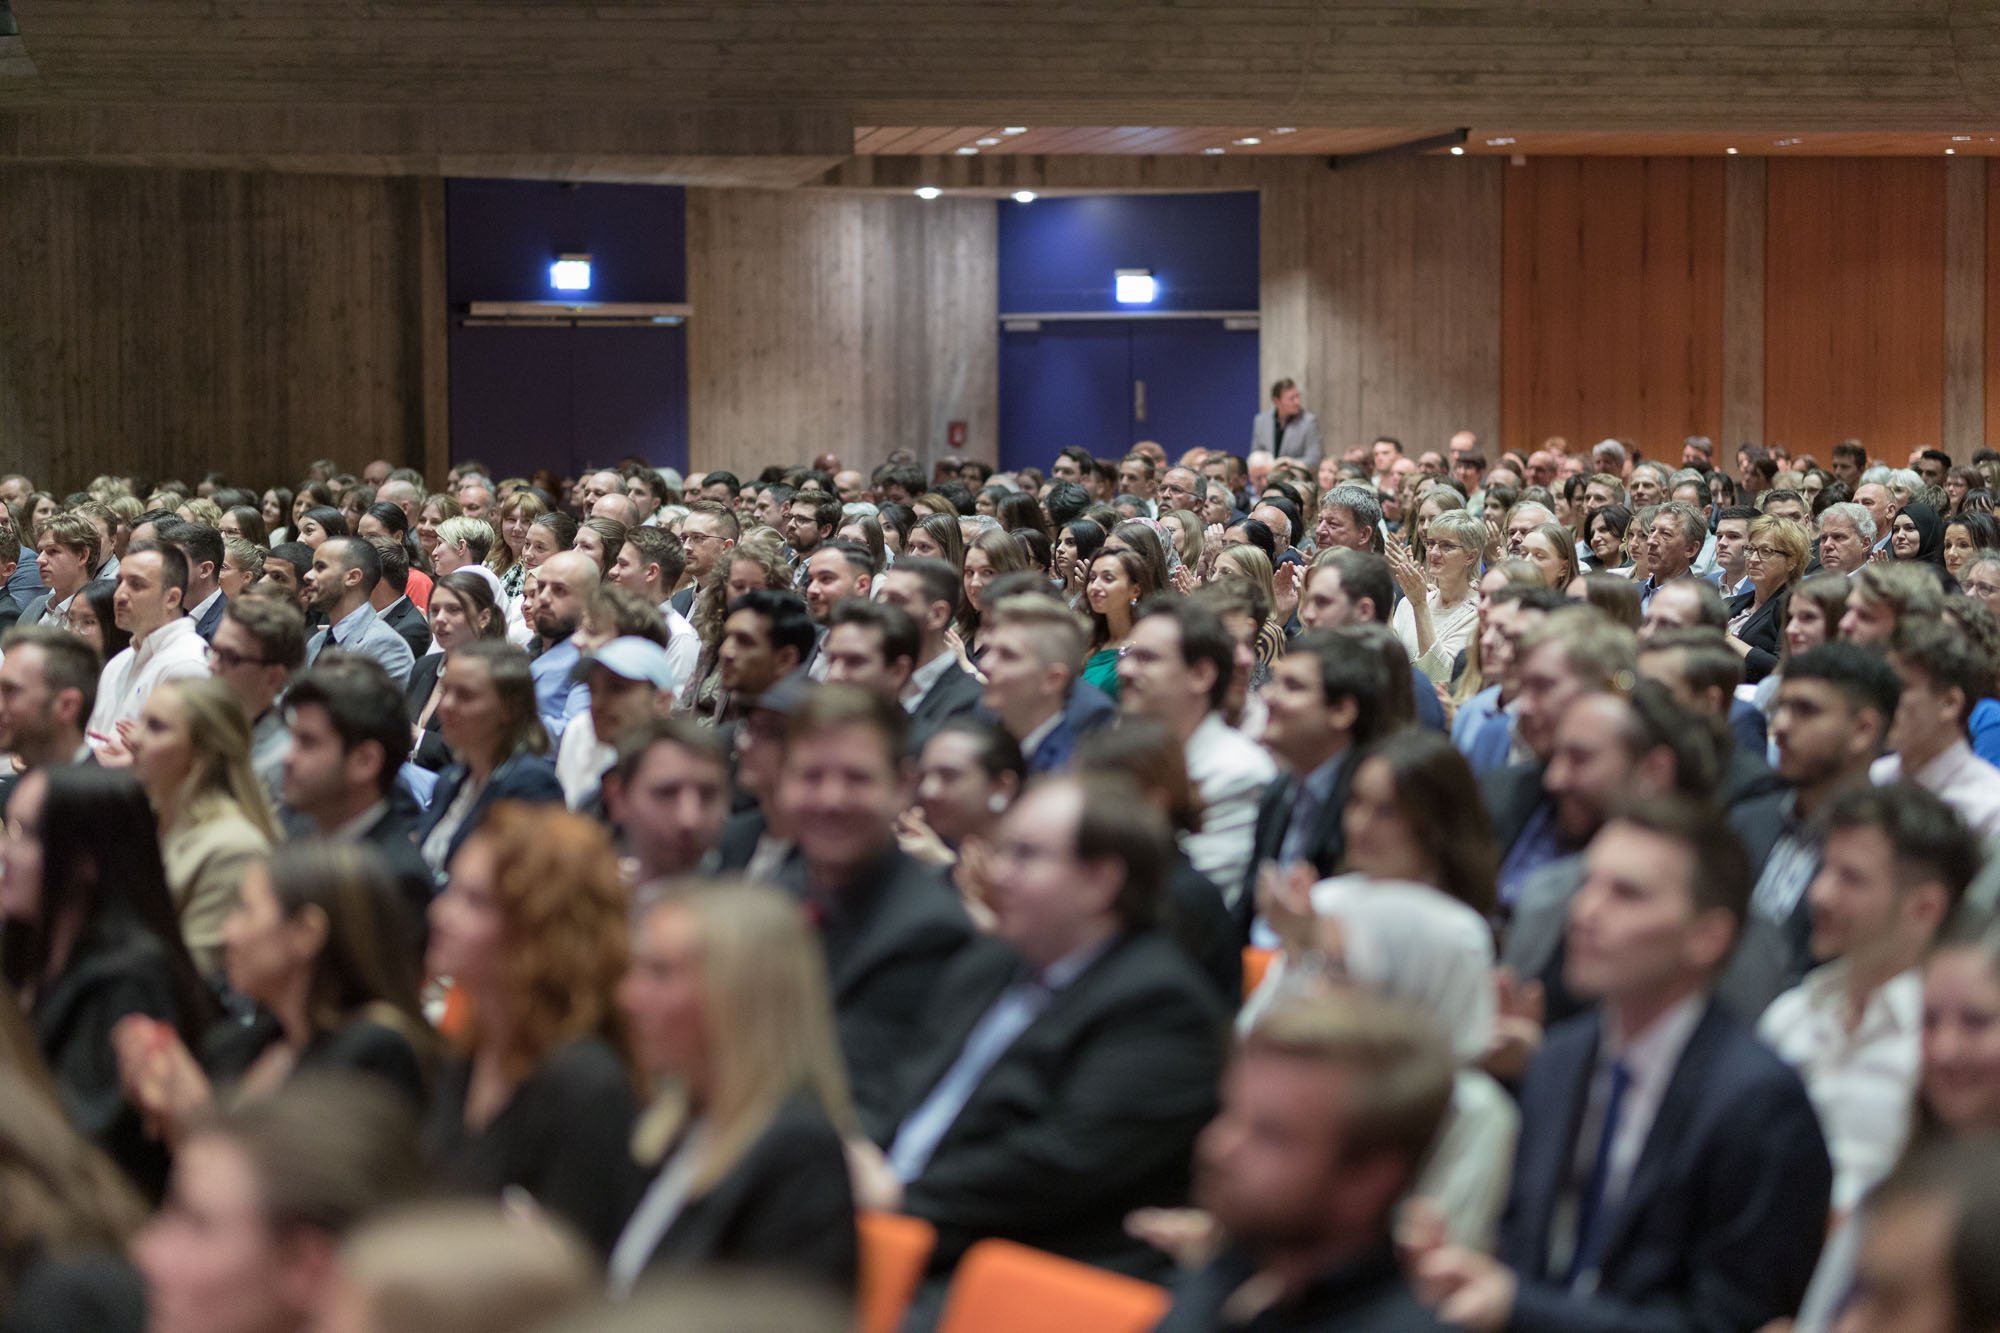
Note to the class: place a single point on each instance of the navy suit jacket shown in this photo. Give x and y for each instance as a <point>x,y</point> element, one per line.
<point>1721,1224</point>
<point>525,777</point>
<point>1087,709</point>
<point>211,620</point>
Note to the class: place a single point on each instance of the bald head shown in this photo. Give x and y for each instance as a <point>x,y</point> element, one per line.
<point>564,584</point>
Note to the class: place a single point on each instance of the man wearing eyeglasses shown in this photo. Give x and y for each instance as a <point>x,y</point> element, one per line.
<point>707,534</point>
<point>258,644</point>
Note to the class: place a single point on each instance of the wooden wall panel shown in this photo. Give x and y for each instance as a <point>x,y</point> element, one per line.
<point>1964,421</point>
<point>1612,298</point>
<point>1992,328</point>
<point>1381,296</point>
<point>170,323</point>
<point>1854,303</point>
<point>1743,196</point>
<point>846,323</point>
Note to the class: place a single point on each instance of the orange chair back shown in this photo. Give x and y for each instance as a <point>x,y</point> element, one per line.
<point>1001,1287</point>
<point>1256,962</point>
<point>895,1251</point>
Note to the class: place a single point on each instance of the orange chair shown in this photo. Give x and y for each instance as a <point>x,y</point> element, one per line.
<point>895,1250</point>
<point>1001,1287</point>
<point>1256,962</point>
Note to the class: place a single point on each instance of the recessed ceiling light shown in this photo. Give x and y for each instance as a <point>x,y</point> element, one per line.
<point>1961,138</point>
<point>1458,150</point>
<point>1015,129</point>
<point>1248,141</point>
<point>1214,152</point>
<point>1285,129</point>
<point>1730,151</point>
<point>1950,151</point>
<point>1788,143</point>
<point>1498,143</point>
<point>988,141</point>
<point>928,192</point>
<point>968,151</point>
<point>1024,196</point>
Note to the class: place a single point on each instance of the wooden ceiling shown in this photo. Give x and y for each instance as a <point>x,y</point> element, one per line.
<point>568,85</point>
<point>1306,141</point>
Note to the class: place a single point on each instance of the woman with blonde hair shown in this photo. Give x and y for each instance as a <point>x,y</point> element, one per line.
<point>727,1003</point>
<point>531,928</point>
<point>191,753</point>
<point>1250,564</point>
<point>1774,559</point>
<point>458,1268</point>
<point>1439,612</point>
<point>486,713</point>
<point>516,513</point>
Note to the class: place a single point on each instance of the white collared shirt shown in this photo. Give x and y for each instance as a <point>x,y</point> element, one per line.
<point>171,652</point>
<point>1033,740</point>
<point>1861,1081</point>
<point>926,676</point>
<point>1959,778</point>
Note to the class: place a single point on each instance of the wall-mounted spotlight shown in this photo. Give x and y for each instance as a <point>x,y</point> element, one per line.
<point>1136,286</point>
<point>570,273</point>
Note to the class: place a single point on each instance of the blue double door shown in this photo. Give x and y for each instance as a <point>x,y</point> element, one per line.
<point>1107,384</point>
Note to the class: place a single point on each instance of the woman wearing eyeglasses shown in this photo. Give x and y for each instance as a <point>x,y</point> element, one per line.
<point>1773,561</point>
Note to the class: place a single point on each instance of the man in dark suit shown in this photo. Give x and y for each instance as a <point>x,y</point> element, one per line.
<point>1325,700</point>
<point>349,739</point>
<point>889,924</point>
<point>1034,655</point>
<point>202,545</point>
<point>1071,1059</point>
<point>1567,654</point>
<point>391,601</point>
<point>1678,1178</point>
<point>939,689</point>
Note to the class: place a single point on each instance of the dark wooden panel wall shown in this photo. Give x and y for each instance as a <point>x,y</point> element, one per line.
<point>170,323</point>
<point>1611,309</point>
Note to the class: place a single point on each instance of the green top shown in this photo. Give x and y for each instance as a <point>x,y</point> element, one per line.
<point>1101,670</point>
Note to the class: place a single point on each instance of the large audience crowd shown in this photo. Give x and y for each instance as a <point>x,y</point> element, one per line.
<point>1352,890</point>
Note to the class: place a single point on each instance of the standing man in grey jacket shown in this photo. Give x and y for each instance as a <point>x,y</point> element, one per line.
<point>1286,429</point>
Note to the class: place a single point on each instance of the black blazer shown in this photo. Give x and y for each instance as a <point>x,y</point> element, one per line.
<point>1721,1224</point>
<point>956,693</point>
<point>525,777</point>
<point>1764,632</point>
<point>1511,795</point>
<point>430,751</point>
<point>1092,1111</point>
<point>118,968</point>
<point>1274,816</point>
<point>1198,919</point>
<point>404,618</point>
<point>741,833</point>
<point>888,937</point>
<point>362,1045</point>
<point>394,835</point>
<point>564,1137</point>
<point>785,1207</point>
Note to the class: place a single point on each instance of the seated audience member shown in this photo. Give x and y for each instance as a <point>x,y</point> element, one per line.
<point>1070,1059</point>
<point>1176,670</point>
<point>1701,672</point>
<point>756,839</point>
<point>255,649</point>
<point>462,609</point>
<point>1193,910</point>
<point>1690,1189</point>
<point>1930,1238</point>
<point>488,717</point>
<point>152,580</point>
<point>1033,648</point>
<point>889,924</point>
<point>1883,596</point>
<point>458,1268</point>
<point>1329,1110</point>
<point>391,599</point>
<point>969,773</point>
<point>708,534</point>
<point>532,929</point>
<point>870,645</point>
<point>1894,864</point>
<point>92,937</point>
<point>1775,560</point>
<point>348,743</point>
<point>1943,675</point>
<point>1325,702</point>
<point>66,552</point>
<point>1847,534</point>
<point>563,587</point>
<point>668,796</point>
<point>650,564</point>
<point>48,682</point>
<point>1343,587</point>
<point>1488,691</point>
<point>340,586</point>
<point>768,635</point>
<point>202,546</point>
<point>940,688</point>
<point>833,573</point>
<point>1835,705</point>
<point>1568,654</point>
<point>726,1001</point>
<point>262,1194</point>
<point>314,945</point>
<point>1439,611</point>
<point>1119,578</point>
<point>71,1214</point>
<point>1413,945</point>
<point>191,752</point>
<point>631,680</point>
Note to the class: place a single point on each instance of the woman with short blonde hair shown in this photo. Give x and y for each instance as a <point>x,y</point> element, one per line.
<point>1440,607</point>
<point>727,1004</point>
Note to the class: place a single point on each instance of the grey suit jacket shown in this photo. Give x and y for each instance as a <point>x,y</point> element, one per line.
<point>1301,436</point>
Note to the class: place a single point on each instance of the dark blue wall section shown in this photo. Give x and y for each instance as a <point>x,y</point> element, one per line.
<point>523,398</point>
<point>501,237</point>
<point>1060,254</point>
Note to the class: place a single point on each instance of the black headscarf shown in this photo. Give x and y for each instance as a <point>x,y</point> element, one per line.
<point>1930,534</point>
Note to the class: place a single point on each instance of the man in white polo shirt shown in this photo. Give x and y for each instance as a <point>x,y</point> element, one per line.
<point>152,584</point>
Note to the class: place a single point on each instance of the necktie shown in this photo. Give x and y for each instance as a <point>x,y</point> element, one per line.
<point>1306,809</point>
<point>1590,1216</point>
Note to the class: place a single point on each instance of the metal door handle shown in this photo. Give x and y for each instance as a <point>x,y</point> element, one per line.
<point>1138,400</point>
